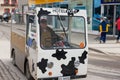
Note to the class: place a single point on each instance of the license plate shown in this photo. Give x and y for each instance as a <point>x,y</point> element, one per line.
<point>64,78</point>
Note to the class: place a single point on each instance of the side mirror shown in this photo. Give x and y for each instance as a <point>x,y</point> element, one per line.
<point>31,19</point>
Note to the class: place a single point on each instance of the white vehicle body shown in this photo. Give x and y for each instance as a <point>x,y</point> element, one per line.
<point>59,62</point>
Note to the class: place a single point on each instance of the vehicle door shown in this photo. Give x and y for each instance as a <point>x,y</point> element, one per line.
<point>31,42</point>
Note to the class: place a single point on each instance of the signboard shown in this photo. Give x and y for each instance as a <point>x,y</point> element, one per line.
<point>42,1</point>
<point>110,1</point>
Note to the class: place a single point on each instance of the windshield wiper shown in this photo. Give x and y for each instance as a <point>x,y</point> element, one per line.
<point>62,26</point>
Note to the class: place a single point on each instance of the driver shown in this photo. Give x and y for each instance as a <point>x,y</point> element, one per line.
<point>48,36</point>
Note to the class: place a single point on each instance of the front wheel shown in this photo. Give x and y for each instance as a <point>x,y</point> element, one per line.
<point>27,71</point>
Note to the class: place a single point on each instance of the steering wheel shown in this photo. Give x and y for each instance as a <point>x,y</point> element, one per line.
<point>61,44</point>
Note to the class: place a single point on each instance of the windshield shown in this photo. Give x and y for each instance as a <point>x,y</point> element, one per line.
<point>58,32</point>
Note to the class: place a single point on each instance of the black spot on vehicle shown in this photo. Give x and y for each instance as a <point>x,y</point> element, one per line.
<point>60,54</point>
<point>69,70</point>
<point>83,57</point>
<point>41,13</point>
<point>42,65</point>
<point>33,67</point>
<point>72,12</point>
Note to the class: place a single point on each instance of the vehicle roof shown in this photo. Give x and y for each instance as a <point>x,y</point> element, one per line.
<point>64,12</point>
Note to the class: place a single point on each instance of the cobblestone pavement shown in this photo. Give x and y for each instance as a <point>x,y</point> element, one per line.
<point>7,70</point>
<point>5,73</point>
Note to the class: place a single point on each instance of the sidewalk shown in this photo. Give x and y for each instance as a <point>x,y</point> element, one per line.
<point>110,47</point>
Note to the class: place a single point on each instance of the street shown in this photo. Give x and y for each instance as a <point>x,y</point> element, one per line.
<point>100,66</point>
<point>105,66</point>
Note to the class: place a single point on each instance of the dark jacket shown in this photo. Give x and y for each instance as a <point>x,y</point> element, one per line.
<point>49,37</point>
<point>103,27</point>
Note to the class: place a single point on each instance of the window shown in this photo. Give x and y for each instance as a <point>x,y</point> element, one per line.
<point>13,10</point>
<point>31,35</point>
<point>55,32</point>
<point>6,1</point>
<point>7,10</point>
<point>13,2</point>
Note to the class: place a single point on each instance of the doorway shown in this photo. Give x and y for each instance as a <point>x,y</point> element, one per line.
<point>111,12</point>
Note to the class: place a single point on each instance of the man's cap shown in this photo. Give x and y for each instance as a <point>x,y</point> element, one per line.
<point>43,17</point>
<point>103,18</point>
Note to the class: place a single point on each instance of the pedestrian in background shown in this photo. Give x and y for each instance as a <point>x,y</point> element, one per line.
<point>118,29</point>
<point>103,28</point>
<point>6,16</point>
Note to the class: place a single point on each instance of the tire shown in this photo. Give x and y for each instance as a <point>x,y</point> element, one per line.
<point>13,58</point>
<point>27,72</point>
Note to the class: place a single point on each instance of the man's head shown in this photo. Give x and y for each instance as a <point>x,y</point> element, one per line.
<point>103,19</point>
<point>43,21</point>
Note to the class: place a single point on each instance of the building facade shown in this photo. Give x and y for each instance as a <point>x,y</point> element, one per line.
<point>88,4</point>
<point>111,9</point>
<point>95,9</point>
<point>7,6</point>
<point>106,8</point>
<point>21,4</point>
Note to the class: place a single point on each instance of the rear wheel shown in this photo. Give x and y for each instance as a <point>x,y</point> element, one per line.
<point>27,71</point>
<point>13,58</point>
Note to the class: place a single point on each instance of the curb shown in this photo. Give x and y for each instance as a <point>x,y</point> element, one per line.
<point>6,24</point>
<point>107,53</point>
<point>96,50</point>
